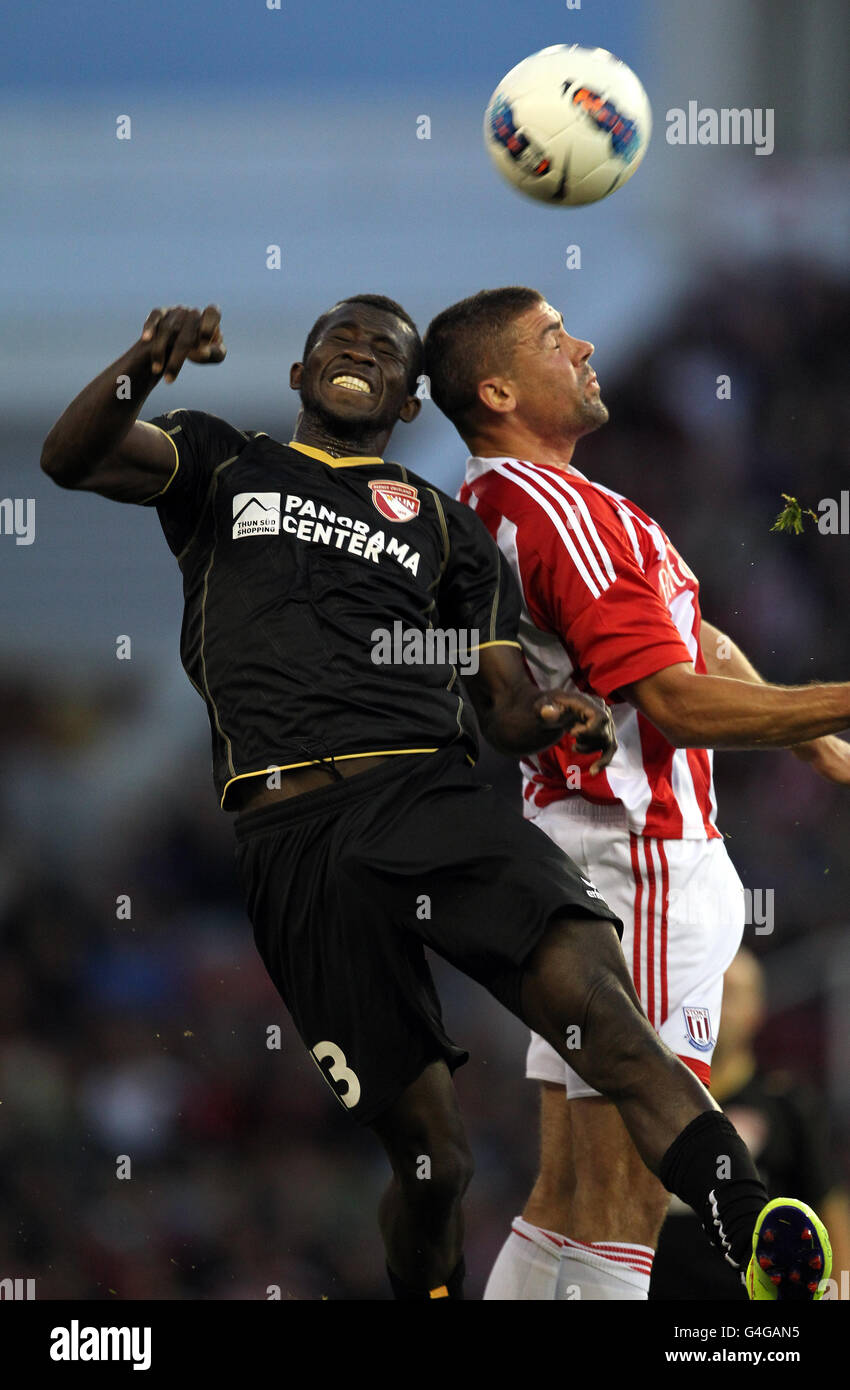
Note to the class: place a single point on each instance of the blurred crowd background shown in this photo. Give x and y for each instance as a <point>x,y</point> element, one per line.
<point>134,1013</point>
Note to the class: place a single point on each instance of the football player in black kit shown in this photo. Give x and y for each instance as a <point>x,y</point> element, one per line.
<point>363,833</point>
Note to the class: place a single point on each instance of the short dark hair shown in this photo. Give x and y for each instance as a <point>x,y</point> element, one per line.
<point>470,339</point>
<point>389,306</point>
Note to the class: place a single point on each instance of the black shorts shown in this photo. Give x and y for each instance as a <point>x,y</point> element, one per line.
<point>347,884</point>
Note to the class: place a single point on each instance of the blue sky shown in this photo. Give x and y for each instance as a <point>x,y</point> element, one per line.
<point>240,45</point>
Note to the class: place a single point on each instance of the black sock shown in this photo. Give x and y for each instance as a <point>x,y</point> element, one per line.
<point>709,1166</point>
<point>453,1286</point>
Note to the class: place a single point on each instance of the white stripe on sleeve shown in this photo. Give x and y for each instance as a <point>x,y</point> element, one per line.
<point>560,526</point>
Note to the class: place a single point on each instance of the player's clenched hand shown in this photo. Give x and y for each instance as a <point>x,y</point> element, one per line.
<point>179,334</point>
<point>587,720</point>
<point>829,756</point>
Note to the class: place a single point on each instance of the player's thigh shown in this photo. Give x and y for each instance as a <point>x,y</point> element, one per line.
<point>707,914</point>
<point>575,985</point>
<point>577,994</point>
<point>471,878</point>
<point>357,985</point>
<point>572,833</point>
<point>681,903</point>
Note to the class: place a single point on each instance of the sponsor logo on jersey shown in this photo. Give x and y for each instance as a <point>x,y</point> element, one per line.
<point>256,514</point>
<point>698,1024</point>
<point>317,524</point>
<point>624,134</point>
<point>395,501</point>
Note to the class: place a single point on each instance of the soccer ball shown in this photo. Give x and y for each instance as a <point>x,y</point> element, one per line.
<point>568,125</point>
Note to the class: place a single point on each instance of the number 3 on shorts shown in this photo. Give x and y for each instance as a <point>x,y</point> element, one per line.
<point>337,1072</point>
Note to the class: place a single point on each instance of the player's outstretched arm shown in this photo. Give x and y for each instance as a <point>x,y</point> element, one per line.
<point>703,711</point>
<point>517,718</point>
<point>828,755</point>
<point>98,443</point>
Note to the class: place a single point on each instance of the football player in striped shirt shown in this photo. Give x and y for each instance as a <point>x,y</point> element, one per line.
<point>611,608</point>
<point>363,833</point>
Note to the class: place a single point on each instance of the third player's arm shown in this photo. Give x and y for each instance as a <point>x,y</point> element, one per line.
<point>737,709</point>
<point>828,755</point>
<point>98,444</point>
<point>517,718</point>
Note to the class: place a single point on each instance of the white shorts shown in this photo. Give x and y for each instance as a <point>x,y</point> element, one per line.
<point>683,912</point>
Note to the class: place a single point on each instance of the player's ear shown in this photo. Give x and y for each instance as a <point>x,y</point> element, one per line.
<point>296,371</point>
<point>410,409</point>
<point>496,393</point>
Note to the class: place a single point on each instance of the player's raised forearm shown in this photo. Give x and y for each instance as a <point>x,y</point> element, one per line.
<point>827,755</point>
<point>96,443</point>
<point>702,711</point>
<point>97,420</point>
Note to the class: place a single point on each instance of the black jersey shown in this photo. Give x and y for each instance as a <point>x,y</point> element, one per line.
<point>304,577</point>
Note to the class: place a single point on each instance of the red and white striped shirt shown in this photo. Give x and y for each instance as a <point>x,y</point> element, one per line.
<point>607,600</point>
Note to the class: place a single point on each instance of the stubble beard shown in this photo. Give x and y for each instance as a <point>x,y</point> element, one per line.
<point>588,417</point>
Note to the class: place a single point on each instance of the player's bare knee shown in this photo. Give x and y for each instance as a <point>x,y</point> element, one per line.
<point>618,1044</point>
<point>626,1071</point>
<point>434,1174</point>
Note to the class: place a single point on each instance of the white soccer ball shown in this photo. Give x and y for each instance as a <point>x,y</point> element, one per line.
<point>568,125</point>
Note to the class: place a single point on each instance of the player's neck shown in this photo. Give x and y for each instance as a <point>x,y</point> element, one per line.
<point>523,444</point>
<point>729,1074</point>
<point>319,436</point>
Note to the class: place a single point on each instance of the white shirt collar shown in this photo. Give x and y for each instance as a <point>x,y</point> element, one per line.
<point>476,467</point>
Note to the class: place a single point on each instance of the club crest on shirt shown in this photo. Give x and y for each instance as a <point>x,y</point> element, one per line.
<point>395,501</point>
<point>698,1024</point>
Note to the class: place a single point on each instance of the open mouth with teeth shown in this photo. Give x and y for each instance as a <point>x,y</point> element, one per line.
<point>352,383</point>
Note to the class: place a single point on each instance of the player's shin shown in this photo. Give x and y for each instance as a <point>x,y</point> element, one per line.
<point>709,1167</point>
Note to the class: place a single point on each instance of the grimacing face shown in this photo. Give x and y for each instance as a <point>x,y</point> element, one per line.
<point>356,375</point>
<point>555,386</point>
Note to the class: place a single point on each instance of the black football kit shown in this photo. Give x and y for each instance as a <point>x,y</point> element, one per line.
<point>300,572</point>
